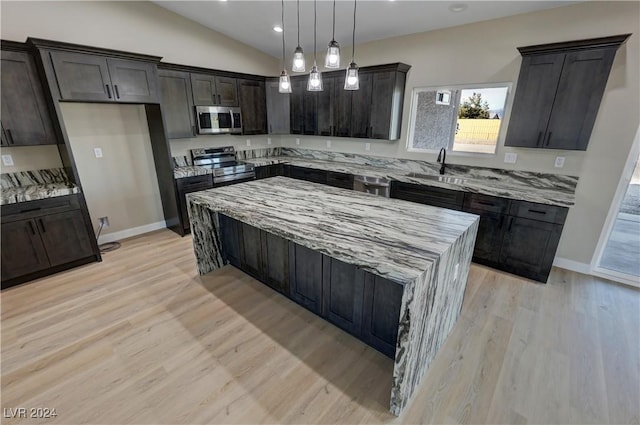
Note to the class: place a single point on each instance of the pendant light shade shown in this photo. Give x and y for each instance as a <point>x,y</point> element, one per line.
<point>332,60</point>
<point>352,81</point>
<point>315,77</point>
<point>284,85</point>
<point>298,54</point>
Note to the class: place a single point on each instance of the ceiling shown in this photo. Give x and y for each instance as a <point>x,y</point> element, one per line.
<point>252,22</point>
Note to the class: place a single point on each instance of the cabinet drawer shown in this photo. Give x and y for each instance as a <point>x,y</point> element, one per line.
<point>540,212</point>
<point>308,174</point>
<point>342,180</point>
<point>428,195</point>
<point>485,203</point>
<point>23,210</point>
<point>193,184</point>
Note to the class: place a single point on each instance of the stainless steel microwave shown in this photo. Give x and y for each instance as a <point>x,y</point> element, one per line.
<point>218,119</point>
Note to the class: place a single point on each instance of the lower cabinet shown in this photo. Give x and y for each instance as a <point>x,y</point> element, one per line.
<point>46,235</point>
<point>271,170</point>
<point>342,180</point>
<point>428,195</point>
<point>489,238</point>
<point>190,185</point>
<point>365,305</point>
<point>308,174</point>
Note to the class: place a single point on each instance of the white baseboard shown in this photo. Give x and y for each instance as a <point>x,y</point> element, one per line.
<point>134,231</point>
<point>574,266</point>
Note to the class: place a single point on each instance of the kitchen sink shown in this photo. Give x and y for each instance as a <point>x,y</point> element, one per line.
<point>444,179</point>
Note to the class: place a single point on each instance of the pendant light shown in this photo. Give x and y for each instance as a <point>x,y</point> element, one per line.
<point>351,81</point>
<point>284,85</point>
<point>315,77</point>
<point>298,54</point>
<point>332,60</point>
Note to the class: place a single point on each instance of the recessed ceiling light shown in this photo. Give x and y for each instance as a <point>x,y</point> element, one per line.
<point>277,28</point>
<point>458,7</point>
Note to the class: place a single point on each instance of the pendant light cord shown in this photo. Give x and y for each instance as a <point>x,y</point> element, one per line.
<point>298,23</point>
<point>333,34</point>
<point>353,39</point>
<point>315,18</point>
<point>283,53</point>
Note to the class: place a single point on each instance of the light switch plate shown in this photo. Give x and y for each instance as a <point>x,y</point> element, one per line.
<point>7,160</point>
<point>268,140</point>
<point>367,146</point>
<point>328,143</point>
<point>510,157</point>
<point>248,142</point>
<point>97,152</point>
<point>297,140</point>
<point>559,162</point>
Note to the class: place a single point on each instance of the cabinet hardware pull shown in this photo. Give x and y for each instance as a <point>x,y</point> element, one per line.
<point>30,210</point>
<point>220,99</point>
<point>270,129</point>
<point>548,138</point>
<point>108,90</point>
<point>115,87</point>
<point>486,203</point>
<point>33,230</point>
<point>42,225</point>
<point>10,137</point>
<point>538,212</point>
<point>510,223</point>
<point>539,138</point>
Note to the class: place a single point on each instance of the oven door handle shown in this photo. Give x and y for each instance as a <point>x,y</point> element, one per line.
<point>232,123</point>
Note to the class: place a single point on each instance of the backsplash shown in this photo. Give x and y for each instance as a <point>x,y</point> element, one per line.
<point>33,178</point>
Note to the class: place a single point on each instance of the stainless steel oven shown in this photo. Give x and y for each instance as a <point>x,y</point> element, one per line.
<point>218,119</point>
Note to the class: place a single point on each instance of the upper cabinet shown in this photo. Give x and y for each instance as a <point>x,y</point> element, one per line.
<point>559,91</point>
<point>373,112</point>
<point>253,106</point>
<point>177,103</point>
<point>277,108</point>
<point>25,117</point>
<point>212,90</point>
<point>95,78</point>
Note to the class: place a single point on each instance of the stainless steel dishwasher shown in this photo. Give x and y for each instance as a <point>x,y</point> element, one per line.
<point>375,185</point>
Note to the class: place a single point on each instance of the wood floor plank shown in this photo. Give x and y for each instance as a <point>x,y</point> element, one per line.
<point>141,338</point>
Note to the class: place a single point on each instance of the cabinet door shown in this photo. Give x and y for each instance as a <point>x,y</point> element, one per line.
<point>297,106</point>
<point>308,174</point>
<point>190,185</point>
<point>203,87</point>
<point>381,313</point>
<point>22,249</point>
<point>134,81</point>
<point>529,246</point>
<point>428,195</point>
<point>65,237</point>
<point>278,110</point>
<point>251,251</point>
<point>227,90</point>
<point>342,180</point>
<point>342,108</point>
<point>582,83</point>
<point>82,77</point>
<point>310,112</point>
<point>230,239</point>
<point>25,118</point>
<point>305,267</point>
<point>177,104</point>
<point>342,294</point>
<point>489,238</point>
<point>382,104</point>
<point>275,256</point>
<point>325,110</point>
<point>535,93</point>
<point>253,107</point>
<point>361,107</point>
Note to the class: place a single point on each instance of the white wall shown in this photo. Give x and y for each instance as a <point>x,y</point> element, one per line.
<point>486,52</point>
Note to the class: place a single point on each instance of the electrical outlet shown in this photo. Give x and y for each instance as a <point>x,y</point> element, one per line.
<point>104,221</point>
<point>7,160</point>
<point>328,143</point>
<point>248,142</point>
<point>510,157</point>
<point>367,146</point>
<point>559,162</point>
<point>297,140</point>
<point>268,140</point>
<point>97,152</point>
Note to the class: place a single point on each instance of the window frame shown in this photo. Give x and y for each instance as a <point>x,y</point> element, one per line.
<point>501,133</point>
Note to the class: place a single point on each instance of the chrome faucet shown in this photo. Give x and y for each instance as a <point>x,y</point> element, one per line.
<point>442,156</point>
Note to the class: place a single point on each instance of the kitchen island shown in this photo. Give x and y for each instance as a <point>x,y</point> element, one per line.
<point>390,272</point>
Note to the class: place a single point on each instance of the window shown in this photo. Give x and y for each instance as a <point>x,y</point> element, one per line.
<point>465,118</point>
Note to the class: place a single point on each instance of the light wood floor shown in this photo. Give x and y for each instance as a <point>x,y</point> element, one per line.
<point>140,338</point>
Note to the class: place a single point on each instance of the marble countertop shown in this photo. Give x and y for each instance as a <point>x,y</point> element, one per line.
<point>391,238</point>
<point>544,189</point>
<point>14,195</point>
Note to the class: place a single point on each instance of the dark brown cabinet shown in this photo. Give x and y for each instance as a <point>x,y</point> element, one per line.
<point>177,103</point>
<point>190,185</point>
<point>38,236</point>
<point>308,174</point>
<point>253,106</point>
<point>305,267</point>
<point>559,91</point>
<point>428,195</point>
<point>343,293</point>
<point>25,117</point>
<point>275,262</point>
<point>361,107</point>
<point>387,99</point>
<point>278,109</point>
<point>381,313</point>
<point>213,90</point>
<point>296,112</point>
<point>230,237</point>
<point>271,170</point>
<point>86,77</point>
<point>251,250</point>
